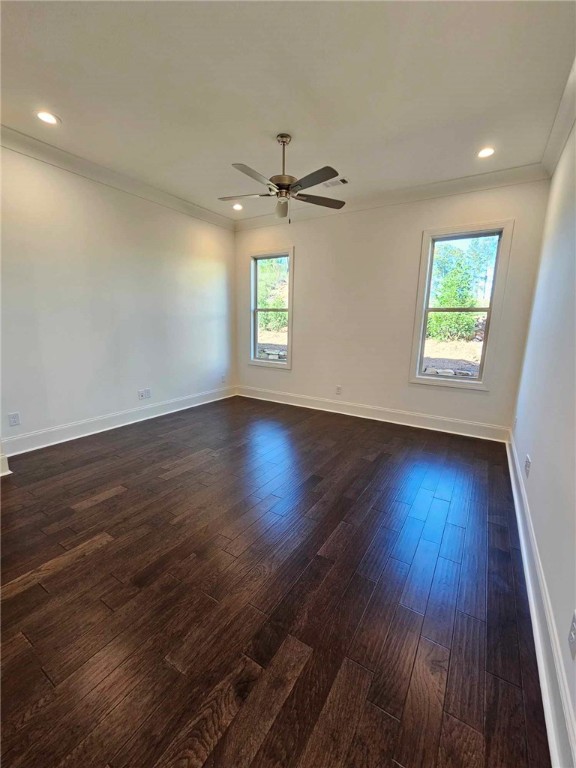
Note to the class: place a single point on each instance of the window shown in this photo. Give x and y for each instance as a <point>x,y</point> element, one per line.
<point>460,271</point>
<point>271,309</point>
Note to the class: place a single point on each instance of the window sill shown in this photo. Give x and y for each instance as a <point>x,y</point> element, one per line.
<point>445,381</point>
<point>271,364</point>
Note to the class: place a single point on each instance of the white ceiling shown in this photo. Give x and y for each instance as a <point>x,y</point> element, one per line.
<point>392,94</point>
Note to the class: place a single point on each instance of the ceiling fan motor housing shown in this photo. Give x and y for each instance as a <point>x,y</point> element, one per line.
<point>283,182</point>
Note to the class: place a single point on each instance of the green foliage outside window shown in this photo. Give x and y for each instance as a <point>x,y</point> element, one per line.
<point>273,292</point>
<point>461,277</point>
<point>455,291</point>
<point>273,321</point>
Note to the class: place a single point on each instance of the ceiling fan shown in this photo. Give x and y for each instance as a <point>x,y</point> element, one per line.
<point>284,187</point>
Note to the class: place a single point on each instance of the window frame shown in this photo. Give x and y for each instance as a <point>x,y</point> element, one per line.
<point>254,310</point>
<point>494,310</point>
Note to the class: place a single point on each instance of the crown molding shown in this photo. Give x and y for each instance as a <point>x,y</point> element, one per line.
<point>563,123</point>
<point>477,183</point>
<point>47,153</point>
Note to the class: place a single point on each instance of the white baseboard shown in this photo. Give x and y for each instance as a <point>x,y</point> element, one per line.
<point>42,438</point>
<point>4,468</point>
<point>379,413</point>
<point>558,710</point>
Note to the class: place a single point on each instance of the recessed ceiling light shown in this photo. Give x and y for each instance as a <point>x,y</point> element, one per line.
<point>48,117</point>
<point>237,207</point>
<point>486,152</point>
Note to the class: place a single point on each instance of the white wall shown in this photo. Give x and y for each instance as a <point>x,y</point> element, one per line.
<point>105,293</point>
<point>356,278</point>
<point>546,420</point>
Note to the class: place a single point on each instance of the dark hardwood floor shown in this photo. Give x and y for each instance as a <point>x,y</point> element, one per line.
<point>252,584</point>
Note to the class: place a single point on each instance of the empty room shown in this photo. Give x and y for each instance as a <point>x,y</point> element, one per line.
<point>288,421</point>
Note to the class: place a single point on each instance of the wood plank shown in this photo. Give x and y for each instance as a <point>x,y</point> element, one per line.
<point>419,581</point>
<point>373,629</point>
<point>119,595</point>
<point>441,608</point>
<point>465,690</point>
<point>473,577</point>
<point>458,512</point>
<point>199,736</point>
<point>93,500</point>
<point>374,740</point>
<point>111,733</point>
<point>436,520</point>
<point>204,701</point>
<point>334,730</point>
<point>446,483</point>
<point>56,564</point>
<point>22,605</point>
<point>394,515</point>
<point>453,542</point>
<point>502,651</point>
<point>392,678</point>
<point>330,639</point>
<point>22,677</point>
<point>337,542</point>
<point>245,735</point>
<point>287,738</point>
<point>422,716</point>
<point>460,745</point>
<point>377,554</point>
<point>422,504</point>
<point>66,650</point>
<point>13,647</point>
<point>252,534</point>
<point>505,725</point>
<point>289,614</point>
<point>407,542</point>
<point>67,614</point>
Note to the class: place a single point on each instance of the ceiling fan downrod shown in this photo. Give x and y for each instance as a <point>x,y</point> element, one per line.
<point>284,139</point>
<point>283,181</point>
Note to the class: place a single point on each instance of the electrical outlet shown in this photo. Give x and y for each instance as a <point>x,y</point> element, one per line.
<point>572,636</point>
<point>338,389</point>
<point>141,394</point>
<point>14,419</point>
<point>527,465</point>
<point>147,393</point>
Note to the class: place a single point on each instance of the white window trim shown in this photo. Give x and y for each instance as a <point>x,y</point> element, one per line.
<point>282,252</point>
<point>494,315</point>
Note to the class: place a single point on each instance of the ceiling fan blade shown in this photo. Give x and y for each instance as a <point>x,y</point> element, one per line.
<point>282,209</point>
<point>327,202</point>
<point>317,177</point>
<point>237,197</point>
<point>254,174</point>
